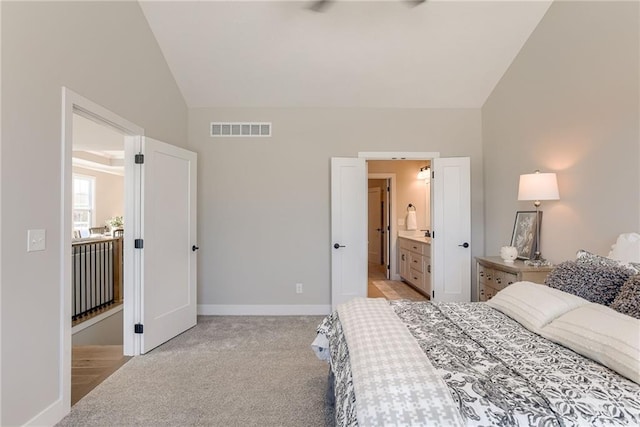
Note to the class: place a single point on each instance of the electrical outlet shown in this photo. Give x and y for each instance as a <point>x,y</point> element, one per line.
<point>298,288</point>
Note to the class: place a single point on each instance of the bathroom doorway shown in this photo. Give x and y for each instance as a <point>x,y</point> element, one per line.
<point>392,184</point>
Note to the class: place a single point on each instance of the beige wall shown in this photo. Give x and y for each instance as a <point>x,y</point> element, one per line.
<point>105,52</point>
<point>264,203</point>
<point>409,189</point>
<point>569,104</point>
<point>109,194</point>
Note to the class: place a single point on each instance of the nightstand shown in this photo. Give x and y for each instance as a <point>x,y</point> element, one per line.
<point>493,275</point>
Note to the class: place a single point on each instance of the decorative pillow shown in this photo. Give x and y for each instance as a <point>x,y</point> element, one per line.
<point>628,299</point>
<point>534,305</point>
<point>601,334</point>
<point>591,281</point>
<point>627,248</point>
<point>586,257</point>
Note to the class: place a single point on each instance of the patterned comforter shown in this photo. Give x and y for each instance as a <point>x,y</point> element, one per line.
<point>498,372</point>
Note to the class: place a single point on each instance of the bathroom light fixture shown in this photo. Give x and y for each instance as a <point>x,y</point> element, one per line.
<point>425,173</point>
<point>538,186</point>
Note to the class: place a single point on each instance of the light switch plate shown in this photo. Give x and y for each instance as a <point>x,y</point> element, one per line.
<point>36,240</point>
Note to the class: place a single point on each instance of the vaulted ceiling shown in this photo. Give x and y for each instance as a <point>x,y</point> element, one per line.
<point>436,54</point>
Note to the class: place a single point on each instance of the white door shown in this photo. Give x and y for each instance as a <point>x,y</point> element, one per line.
<point>348,229</point>
<point>451,223</point>
<point>374,228</point>
<point>168,232</point>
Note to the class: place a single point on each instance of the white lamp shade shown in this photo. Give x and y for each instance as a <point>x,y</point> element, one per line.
<point>538,186</point>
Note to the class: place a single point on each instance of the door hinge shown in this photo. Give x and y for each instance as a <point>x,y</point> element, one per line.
<point>138,328</point>
<point>139,159</point>
<point>433,234</point>
<point>388,189</point>
<point>138,243</point>
<point>433,294</point>
<point>388,267</point>
<point>433,174</point>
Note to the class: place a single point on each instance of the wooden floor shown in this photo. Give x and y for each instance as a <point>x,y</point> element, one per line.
<point>92,364</point>
<point>380,287</point>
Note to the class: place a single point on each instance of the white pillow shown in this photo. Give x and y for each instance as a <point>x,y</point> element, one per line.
<point>533,305</point>
<point>601,334</point>
<point>626,249</point>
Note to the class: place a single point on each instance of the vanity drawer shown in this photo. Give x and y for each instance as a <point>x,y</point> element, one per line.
<point>419,248</point>
<point>415,277</point>
<point>416,262</point>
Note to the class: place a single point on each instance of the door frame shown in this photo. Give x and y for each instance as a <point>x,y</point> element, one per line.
<point>389,242</point>
<point>73,103</point>
<point>396,155</point>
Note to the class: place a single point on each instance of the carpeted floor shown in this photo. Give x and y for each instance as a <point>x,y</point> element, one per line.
<point>226,371</point>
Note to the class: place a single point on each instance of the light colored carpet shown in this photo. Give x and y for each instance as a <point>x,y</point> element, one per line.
<point>226,371</point>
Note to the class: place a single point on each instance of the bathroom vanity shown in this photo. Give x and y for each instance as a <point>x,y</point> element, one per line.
<point>414,258</point>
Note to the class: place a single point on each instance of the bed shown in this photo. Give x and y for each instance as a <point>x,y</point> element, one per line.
<point>563,353</point>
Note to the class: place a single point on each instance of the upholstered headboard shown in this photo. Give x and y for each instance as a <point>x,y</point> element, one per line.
<point>626,248</point>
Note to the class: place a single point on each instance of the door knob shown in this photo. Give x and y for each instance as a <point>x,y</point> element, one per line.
<point>338,245</point>
<point>194,248</point>
<point>464,245</point>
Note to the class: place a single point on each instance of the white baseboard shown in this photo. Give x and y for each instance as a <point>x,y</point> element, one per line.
<point>263,310</point>
<point>51,415</point>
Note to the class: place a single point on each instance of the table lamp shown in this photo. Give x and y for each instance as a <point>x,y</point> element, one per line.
<point>537,187</point>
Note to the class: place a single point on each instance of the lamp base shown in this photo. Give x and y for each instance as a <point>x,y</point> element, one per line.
<point>537,261</point>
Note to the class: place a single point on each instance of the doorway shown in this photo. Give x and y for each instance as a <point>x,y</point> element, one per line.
<point>97,208</point>
<point>450,218</point>
<point>392,184</point>
<point>77,109</point>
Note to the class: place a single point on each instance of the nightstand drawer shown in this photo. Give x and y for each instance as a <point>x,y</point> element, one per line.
<point>493,275</point>
<point>502,279</point>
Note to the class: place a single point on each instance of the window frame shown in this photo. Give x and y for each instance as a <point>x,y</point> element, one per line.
<point>92,203</point>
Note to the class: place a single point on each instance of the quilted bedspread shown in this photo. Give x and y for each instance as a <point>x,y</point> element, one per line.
<point>497,372</point>
<point>394,380</point>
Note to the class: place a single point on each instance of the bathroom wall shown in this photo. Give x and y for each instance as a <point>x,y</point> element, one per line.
<point>409,189</point>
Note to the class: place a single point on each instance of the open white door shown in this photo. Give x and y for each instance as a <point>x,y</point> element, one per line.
<point>348,229</point>
<point>451,224</point>
<point>168,237</point>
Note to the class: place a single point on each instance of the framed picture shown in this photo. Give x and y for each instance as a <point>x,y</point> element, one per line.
<point>525,230</point>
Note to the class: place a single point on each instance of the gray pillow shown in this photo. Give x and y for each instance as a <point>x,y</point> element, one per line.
<point>628,299</point>
<point>592,281</point>
<point>585,257</point>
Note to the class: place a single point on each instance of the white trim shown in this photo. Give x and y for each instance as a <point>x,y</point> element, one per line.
<point>393,222</point>
<point>1,214</point>
<point>398,155</point>
<point>263,310</point>
<point>99,318</point>
<point>49,416</point>
<point>73,103</point>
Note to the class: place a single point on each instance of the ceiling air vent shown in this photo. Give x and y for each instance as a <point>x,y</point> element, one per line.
<point>219,129</point>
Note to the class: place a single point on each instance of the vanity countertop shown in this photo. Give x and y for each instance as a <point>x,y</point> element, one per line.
<point>420,239</point>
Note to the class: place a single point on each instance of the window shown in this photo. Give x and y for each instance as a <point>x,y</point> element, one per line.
<point>84,210</point>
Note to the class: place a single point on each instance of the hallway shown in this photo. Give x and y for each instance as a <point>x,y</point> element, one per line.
<point>92,364</point>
